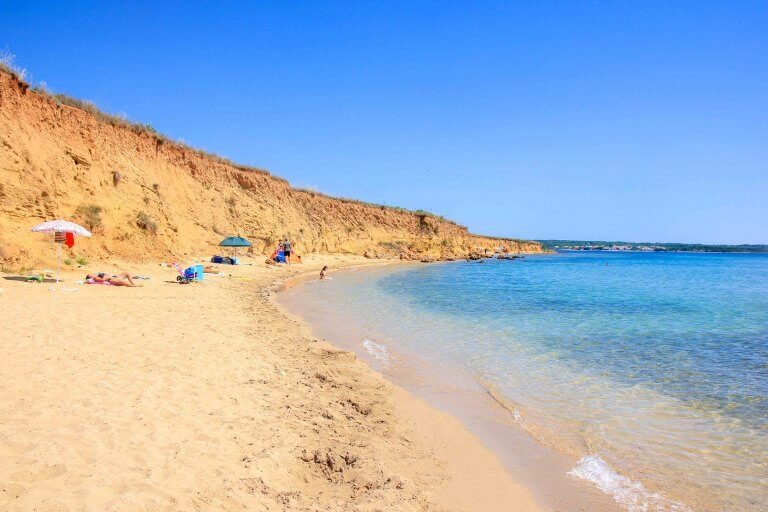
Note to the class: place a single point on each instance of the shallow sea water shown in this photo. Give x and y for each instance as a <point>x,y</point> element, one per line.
<point>648,369</point>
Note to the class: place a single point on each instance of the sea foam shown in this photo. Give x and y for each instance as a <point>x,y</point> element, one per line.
<point>632,496</point>
<point>379,351</point>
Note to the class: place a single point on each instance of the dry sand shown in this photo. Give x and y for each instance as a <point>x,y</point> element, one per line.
<point>208,397</point>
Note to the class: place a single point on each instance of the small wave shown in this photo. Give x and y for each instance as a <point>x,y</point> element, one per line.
<point>539,432</point>
<point>379,351</point>
<point>507,406</point>
<point>632,496</point>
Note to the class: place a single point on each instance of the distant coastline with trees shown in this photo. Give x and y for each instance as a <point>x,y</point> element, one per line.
<point>602,245</point>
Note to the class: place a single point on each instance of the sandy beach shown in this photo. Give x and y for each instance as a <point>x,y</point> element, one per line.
<point>209,397</point>
<point>543,224</point>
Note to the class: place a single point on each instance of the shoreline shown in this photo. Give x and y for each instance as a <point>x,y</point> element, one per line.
<point>208,396</point>
<point>540,468</point>
<point>411,325</point>
<point>477,478</point>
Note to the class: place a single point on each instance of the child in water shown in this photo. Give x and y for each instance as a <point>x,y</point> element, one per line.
<point>322,272</point>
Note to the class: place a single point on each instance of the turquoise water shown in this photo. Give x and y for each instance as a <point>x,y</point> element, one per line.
<point>650,368</point>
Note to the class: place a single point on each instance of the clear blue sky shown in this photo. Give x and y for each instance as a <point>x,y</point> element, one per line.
<point>641,121</point>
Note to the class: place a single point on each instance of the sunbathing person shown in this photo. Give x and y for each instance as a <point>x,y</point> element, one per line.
<point>121,279</point>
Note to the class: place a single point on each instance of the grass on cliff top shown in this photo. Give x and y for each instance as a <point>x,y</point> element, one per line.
<point>8,65</point>
<point>140,128</point>
<point>419,213</point>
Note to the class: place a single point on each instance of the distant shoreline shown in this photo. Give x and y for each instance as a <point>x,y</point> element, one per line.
<point>616,245</point>
<point>665,252</point>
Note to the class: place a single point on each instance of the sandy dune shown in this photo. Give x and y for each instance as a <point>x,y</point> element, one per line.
<point>207,397</point>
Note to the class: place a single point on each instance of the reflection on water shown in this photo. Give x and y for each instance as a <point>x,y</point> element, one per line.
<point>654,366</point>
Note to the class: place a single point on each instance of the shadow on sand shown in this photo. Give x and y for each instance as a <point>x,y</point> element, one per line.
<point>22,279</point>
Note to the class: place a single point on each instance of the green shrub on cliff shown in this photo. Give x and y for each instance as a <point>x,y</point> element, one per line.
<point>145,222</point>
<point>91,215</point>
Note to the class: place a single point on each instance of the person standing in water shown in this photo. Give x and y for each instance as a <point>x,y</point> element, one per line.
<point>322,272</point>
<point>287,251</point>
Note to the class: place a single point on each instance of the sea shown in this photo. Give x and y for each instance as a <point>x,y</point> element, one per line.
<point>646,373</point>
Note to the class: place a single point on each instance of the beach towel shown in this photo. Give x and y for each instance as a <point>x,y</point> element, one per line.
<point>69,240</point>
<point>91,281</point>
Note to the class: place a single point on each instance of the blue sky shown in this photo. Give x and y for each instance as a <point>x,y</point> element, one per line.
<point>610,120</point>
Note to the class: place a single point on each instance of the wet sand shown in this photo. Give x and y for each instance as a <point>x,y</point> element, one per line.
<point>541,468</point>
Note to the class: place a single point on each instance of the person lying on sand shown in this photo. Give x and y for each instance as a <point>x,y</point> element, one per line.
<point>121,279</point>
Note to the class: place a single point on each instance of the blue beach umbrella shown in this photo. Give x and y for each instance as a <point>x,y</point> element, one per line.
<point>235,242</point>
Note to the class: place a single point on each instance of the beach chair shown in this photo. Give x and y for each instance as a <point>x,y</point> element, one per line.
<point>185,276</point>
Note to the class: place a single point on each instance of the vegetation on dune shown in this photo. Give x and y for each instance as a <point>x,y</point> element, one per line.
<point>315,193</point>
<point>8,64</point>
<point>145,128</point>
<point>91,215</point>
<point>146,222</point>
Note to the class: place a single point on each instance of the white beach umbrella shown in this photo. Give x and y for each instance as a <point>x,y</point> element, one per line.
<point>60,226</point>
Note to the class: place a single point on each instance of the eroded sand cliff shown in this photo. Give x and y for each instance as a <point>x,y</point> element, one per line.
<point>145,196</point>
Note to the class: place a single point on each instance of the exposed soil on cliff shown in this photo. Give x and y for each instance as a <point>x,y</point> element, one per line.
<point>144,196</point>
